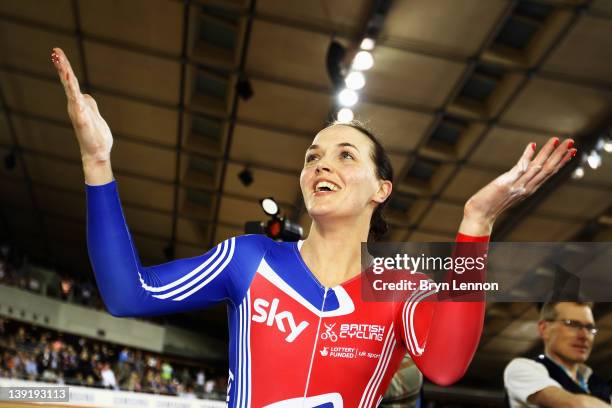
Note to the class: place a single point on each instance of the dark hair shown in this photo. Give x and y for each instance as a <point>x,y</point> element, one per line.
<point>549,310</point>
<point>384,171</point>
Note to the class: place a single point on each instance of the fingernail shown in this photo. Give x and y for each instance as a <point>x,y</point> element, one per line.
<point>556,142</point>
<point>574,152</point>
<point>533,146</point>
<point>55,58</point>
<point>570,144</point>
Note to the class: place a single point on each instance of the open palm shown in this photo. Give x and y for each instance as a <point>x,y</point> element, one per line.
<point>93,134</point>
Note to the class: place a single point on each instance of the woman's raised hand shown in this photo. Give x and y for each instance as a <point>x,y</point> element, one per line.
<point>93,134</point>
<point>529,173</point>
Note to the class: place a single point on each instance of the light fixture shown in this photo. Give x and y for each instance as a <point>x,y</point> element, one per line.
<point>246,177</point>
<point>367,44</point>
<point>269,206</point>
<point>594,159</point>
<point>355,80</point>
<point>244,88</point>
<point>345,115</point>
<point>363,61</point>
<point>607,145</point>
<point>348,97</point>
<point>578,173</point>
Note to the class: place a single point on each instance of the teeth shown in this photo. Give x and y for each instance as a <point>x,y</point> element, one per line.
<point>322,184</point>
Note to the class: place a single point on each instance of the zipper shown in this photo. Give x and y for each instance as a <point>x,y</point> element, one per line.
<point>314,347</point>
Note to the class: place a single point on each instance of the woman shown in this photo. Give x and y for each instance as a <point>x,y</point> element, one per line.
<point>300,333</point>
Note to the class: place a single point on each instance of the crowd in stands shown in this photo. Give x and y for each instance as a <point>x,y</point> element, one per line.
<point>16,270</point>
<point>35,353</point>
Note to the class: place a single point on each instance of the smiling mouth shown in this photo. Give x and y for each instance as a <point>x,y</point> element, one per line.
<point>323,187</point>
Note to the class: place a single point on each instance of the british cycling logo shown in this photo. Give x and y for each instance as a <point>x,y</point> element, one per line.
<point>353,331</point>
<point>271,316</point>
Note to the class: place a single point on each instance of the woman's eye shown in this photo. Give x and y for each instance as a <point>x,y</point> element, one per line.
<point>346,155</point>
<point>310,157</point>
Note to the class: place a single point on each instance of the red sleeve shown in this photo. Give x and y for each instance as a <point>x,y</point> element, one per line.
<point>442,336</point>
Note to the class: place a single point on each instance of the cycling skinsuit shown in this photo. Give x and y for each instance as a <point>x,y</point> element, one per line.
<point>293,342</point>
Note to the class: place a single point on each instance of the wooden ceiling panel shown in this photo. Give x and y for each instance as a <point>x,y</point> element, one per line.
<point>40,97</point>
<point>148,222</point>
<point>286,107</point>
<point>14,194</point>
<point>422,80</point>
<point>559,106</point>
<point>144,160</point>
<point>590,40</point>
<point>502,147</point>
<point>5,136</point>
<point>540,229</point>
<point>152,24</point>
<point>6,173</point>
<point>236,212</point>
<point>189,251</point>
<point>29,49</point>
<point>151,250</point>
<point>144,192</point>
<point>261,146</point>
<point>328,16</point>
<point>65,230</point>
<point>58,203</point>
<point>602,6</point>
<point>58,140</point>
<point>57,13</point>
<point>397,129</point>
<point>193,232</point>
<point>146,122</point>
<point>283,187</point>
<point>55,173</point>
<point>419,22</point>
<point>224,232</point>
<point>466,183</point>
<point>443,217</point>
<point>133,73</point>
<point>572,200</point>
<point>288,53</point>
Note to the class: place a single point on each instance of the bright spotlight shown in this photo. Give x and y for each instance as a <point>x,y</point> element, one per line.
<point>607,145</point>
<point>363,61</point>
<point>367,44</point>
<point>594,159</point>
<point>345,115</point>
<point>269,206</point>
<point>348,97</point>
<point>355,80</point>
<point>578,173</point>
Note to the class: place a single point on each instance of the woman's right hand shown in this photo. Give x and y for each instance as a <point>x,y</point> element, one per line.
<point>93,134</point>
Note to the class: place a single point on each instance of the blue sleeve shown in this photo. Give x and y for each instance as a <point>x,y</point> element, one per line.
<point>130,289</point>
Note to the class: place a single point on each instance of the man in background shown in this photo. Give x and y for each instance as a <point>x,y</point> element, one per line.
<point>559,377</point>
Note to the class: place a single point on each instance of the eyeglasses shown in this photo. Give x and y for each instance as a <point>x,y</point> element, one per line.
<point>574,324</point>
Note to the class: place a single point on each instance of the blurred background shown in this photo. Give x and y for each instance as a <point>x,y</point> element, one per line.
<point>212,104</point>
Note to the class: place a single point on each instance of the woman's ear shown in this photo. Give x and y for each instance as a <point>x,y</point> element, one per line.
<point>384,191</point>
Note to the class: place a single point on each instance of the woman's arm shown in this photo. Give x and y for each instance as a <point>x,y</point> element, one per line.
<point>450,330</point>
<point>127,287</point>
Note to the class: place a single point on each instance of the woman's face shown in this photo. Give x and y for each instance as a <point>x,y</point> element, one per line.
<point>339,177</point>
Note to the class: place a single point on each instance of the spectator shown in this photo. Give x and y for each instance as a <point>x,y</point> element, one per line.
<point>108,377</point>
<point>560,377</point>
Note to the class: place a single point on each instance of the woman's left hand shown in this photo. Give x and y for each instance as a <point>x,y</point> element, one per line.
<point>529,173</point>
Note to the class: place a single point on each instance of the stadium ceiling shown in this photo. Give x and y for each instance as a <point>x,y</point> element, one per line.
<point>457,90</point>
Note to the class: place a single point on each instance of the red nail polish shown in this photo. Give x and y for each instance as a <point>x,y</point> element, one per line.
<point>55,58</point>
<point>574,153</point>
<point>556,142</point>
<point>570,144</point>
<point>533,146</point>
